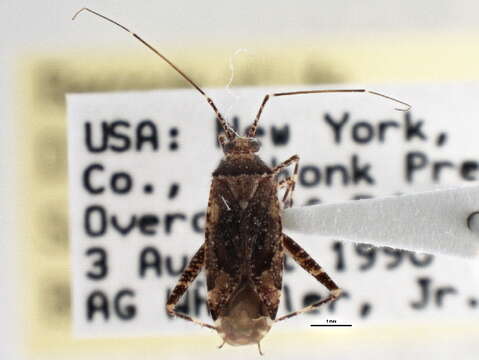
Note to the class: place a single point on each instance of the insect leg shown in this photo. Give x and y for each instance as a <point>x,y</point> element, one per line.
<point>287,199</point>
<point>293,159</point>
<point>289,182</point>
<point>259,349</point>
<point>189,275</point>
<point>252,129</point>
<point>312,267</point>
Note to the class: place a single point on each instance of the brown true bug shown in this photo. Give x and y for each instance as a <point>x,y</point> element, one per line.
<point>244,248</point>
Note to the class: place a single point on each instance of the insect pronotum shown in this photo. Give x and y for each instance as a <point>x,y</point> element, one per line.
<point>244,244</point>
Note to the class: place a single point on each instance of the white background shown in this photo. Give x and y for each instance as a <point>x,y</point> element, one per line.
<point>28,27</point>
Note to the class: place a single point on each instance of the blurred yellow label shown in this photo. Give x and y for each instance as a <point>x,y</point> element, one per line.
<point>46,80</point>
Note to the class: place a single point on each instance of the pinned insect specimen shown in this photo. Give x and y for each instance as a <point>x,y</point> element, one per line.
<point>244,244</point>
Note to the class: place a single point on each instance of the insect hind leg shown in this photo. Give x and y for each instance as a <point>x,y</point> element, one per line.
<point>312,267</point>
<point>195,266</point>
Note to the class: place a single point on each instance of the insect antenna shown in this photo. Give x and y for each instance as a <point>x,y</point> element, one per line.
<point>230,133</point>
<point>252,129</point>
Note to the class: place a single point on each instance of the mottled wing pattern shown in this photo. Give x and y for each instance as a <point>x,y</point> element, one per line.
<point>243,240</point>
<point>223,253</point>
<point>263,218</point>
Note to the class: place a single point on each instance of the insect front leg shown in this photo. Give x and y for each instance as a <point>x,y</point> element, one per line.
<point>312,267</point>
<point>290,182</point>
<point>189,275</point>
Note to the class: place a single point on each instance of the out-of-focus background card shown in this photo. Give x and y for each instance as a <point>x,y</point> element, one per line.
<point>45,55</point>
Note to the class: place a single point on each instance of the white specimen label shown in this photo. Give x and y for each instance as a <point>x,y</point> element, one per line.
<point>140,166</point>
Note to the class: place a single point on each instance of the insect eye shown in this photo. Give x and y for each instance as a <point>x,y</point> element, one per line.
<point>228,147</point>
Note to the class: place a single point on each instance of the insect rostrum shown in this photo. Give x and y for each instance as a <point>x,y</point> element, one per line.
<point>244,244</point>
